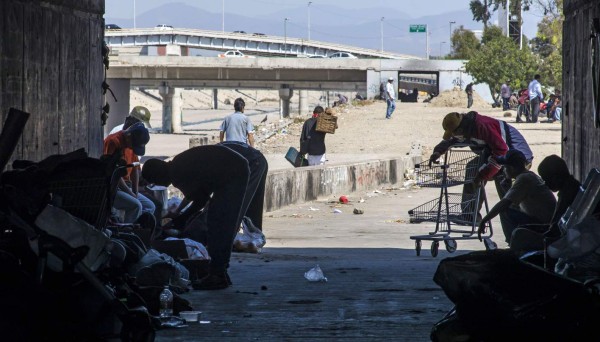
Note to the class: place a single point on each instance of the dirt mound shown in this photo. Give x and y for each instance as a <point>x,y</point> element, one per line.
<point>458,98</point>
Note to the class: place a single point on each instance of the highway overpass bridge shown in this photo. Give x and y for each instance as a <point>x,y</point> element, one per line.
<point>253,44</point>
<point>363,76</point>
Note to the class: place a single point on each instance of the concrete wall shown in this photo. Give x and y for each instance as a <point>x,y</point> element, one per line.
<point>309,183</point>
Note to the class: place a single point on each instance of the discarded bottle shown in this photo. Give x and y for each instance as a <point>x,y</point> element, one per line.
<point>166,302</point>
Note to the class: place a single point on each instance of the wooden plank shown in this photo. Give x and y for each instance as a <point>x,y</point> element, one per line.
<point>12,68</point>
<point>33,89</point>
<point>66,98</point>
<point>50,79</point>
<point>81,64</point>
<point>95,129</point>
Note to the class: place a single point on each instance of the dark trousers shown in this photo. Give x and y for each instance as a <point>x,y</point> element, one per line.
<point>535,109</point>
<point>505,104</point>
<point>512,218</point>
<point>469,100</point>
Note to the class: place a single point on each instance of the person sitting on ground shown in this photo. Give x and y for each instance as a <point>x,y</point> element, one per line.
<point>528,201</point>
<point>312,142</point>
<point>554,172</point>
<point>342,100</point>
<point>137,114</point>
<point>237,126</point>
<point>229,180</point>
<point>130,144</point>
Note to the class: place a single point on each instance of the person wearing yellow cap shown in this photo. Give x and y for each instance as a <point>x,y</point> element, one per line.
<point>495,136</point>
<point>137,114</point>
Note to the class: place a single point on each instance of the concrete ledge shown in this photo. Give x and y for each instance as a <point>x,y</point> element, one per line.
<point>285,187</point>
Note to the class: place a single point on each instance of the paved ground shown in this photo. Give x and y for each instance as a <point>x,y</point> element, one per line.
<point>377,287</point>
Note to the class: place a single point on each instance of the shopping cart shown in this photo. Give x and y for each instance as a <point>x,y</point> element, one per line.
<point>448,211</point>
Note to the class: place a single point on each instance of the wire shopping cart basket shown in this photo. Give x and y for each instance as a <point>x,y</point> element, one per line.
<point>456,215</point>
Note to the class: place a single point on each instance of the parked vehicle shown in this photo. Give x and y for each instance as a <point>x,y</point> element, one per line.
<point>258,34</point>
<point>234,54</point>
<point>342,54</point>
<point>242,32</point>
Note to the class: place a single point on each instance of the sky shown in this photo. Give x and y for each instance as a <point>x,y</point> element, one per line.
<point>124,9</point>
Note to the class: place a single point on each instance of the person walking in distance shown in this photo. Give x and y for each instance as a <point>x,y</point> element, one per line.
<point>390,99</point>
<point>469,91</point>
<point>506,93</point>
<point>237,126</point>
<point>535,97</point>
<point>312,142</point>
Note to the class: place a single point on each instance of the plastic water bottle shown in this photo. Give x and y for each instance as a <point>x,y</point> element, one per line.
<point>166,302</point>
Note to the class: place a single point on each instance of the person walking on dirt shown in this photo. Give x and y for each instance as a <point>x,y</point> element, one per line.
<point>390,98</point>
<point>230,177</point>
<point>312,142</point>
<point>535,98</point>
<point>469,91</point>
<point>237,126</point>
<point>505,92</point>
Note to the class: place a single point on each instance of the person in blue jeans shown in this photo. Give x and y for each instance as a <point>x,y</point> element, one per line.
<point>228,181</point>
<point>390,98</point>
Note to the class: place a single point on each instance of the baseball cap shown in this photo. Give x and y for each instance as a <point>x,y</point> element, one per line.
<point>450,124</point>
<point>513,158</point>
<point>139,138</point>
<point>141,113</point>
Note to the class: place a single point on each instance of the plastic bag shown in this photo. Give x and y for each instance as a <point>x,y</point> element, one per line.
<point>250,239</point>
<point>315,274</point>
<point>195,250</point>
<point>579,240</point>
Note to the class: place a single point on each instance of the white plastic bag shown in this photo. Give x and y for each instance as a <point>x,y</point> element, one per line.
<point>195,250</point>
<point>249,239</point>
<point>315,274</point>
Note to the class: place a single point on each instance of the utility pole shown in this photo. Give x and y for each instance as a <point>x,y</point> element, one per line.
<point>134,26</point>
<point>285,20</point>
<point>382,33</point>
<point>223,16</point>
<point>310,2</point>
<point>452,22</point>
<point>426,41</point>
<point>441,49</point>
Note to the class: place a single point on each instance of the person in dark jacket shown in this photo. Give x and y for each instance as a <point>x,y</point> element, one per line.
<point>312,142</point>
<point>230,177</point>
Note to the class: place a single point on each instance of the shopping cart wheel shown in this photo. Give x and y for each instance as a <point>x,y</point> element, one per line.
<point>418,247</point>
<point>450,245</point>
<point>489,244</point>
<point>435,245</point>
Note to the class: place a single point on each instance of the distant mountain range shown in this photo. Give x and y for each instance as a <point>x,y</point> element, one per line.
<point>357,27</point>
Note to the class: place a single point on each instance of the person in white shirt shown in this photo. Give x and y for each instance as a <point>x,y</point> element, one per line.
<point>535,97</point>
<point>505,92</point>
<point>390,98</point>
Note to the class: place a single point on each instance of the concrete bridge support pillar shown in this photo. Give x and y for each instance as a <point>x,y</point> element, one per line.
<point>177,113</point>
<point>285,94</point>
<point>303,102</point>
<point>120,109</point>
<point>215,99</point>
<point>167,93</point>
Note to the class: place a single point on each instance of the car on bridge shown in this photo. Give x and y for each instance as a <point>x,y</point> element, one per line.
<point>234,54</point>
<point>342,54</point>
<point>112,27</point>
<point>163,27</point>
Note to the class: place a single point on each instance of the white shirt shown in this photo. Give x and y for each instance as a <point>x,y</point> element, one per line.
<point>389,88</point>
<point>116,129</point>
<point>535,90</point>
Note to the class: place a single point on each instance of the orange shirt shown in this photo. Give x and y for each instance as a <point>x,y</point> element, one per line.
<point>116,141</point>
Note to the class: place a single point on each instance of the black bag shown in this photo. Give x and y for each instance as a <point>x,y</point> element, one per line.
<point>294,157</point>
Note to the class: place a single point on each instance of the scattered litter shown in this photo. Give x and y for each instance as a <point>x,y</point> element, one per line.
<point>362,200</point>
<point>313,209</point>
<point>204,322</point>
<point>343,199</point>
<point>377,191</point>
<point>315,274</point>
<point>337,211</point>
<point>358,211</point>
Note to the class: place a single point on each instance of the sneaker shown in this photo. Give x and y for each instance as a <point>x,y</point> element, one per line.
<point>212,282</point>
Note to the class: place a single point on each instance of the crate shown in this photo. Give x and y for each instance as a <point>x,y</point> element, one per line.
<point>459,210</point>
<point>459,167</point>
<point>326,123</point>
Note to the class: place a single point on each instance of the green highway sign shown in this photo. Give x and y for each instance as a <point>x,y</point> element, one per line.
<point>418,28</point>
